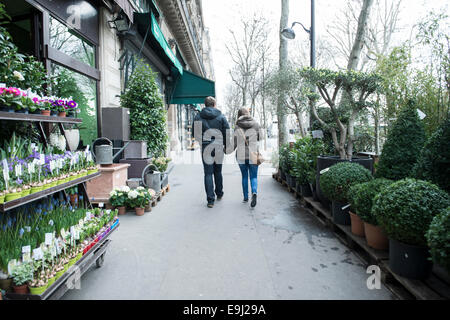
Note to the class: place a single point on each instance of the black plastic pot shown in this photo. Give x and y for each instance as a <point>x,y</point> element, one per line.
<point>408,260</point>
<point>324,162</point>
<point>288,179</point>
<point>313,191</point>
<point>304,190</point>
<point>340,216</point>
<point>282,175</point>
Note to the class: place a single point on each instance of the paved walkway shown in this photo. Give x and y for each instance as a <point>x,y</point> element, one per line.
<point>184,250</point>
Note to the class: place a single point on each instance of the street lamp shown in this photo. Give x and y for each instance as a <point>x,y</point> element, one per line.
<point>289,33</point>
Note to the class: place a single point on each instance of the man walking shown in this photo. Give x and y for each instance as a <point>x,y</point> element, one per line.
<point>209,129</point>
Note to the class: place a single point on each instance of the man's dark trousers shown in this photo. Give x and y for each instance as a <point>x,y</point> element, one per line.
<point>210,170</point>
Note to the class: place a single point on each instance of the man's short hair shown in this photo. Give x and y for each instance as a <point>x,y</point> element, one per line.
<point>210,102</point>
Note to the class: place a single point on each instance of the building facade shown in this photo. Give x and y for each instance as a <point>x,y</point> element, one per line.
<point>96,43</point>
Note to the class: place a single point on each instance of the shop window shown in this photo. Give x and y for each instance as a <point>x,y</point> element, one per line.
<point>84,91</point>
<point>67,41</point>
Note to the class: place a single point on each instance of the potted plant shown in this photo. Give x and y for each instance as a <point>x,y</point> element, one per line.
<point>433,162</point>
<point>364,223</point>
<point>336,182</point>
<point>39,283</point>
<point>438,239</point>
<point>404,142</point>
<point>45,106</point>
<point>138,199</point>
<point>405,210</point>
<point>21,275</point>
<point>118,199</point>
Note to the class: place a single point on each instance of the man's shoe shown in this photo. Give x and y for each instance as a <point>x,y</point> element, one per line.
<point>220,198</point>
<point>253,204</point>
<point>210,205</point>
<point>245,200</point>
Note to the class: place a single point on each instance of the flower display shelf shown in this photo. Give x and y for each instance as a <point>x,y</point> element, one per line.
<point>41,194</point>
<point>37,118</point>
<point>70,279</point>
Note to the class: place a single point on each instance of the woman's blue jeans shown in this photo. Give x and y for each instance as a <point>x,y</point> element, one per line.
<point>247,168</point>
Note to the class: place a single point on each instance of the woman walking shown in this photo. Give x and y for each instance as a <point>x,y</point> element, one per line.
<point>246,138</point>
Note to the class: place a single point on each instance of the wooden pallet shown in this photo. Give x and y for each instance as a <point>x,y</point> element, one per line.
<point>432,288</point>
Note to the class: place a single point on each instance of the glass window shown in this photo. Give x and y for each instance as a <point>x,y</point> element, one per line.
<point>83,90</point>
<point>67,41</point>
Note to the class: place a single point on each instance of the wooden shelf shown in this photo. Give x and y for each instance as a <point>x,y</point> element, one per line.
<point>41,194</point>
<point>36,118</point>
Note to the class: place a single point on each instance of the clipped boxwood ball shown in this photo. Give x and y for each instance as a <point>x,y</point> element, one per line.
<point>361,198</point>
<point>335,182</point>
<point>405,209</point>
<point>438,237</point>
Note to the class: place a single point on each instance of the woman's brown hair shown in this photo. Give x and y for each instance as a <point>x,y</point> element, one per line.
<point>243,112</point>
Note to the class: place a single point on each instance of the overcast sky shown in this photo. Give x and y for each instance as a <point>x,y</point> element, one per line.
<point>222,15</point>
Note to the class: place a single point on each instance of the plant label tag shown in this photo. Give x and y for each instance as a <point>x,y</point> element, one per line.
<point>88,215</point>
<point>421,114</point>
<point>11,266</point>
<point>100,204</point>
<point>87,148</point>
<point>26,257</point>
<point>72,230</point>
<point>324,170</point>
<point>18,170</point>
<point>77,235</point>
<point>28,228</point>
<point>317,134</point>
<point>33,146</point>
<point>26,249</point>
<point>6,175</point>
<point>48,238</point>
<point>37,253</point>
<point>42,159</point>
<point>63,233</point>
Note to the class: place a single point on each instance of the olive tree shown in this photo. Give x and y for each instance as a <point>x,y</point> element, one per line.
<point>357,86</point>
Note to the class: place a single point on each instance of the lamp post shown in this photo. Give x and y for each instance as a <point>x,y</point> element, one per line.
<point>290,34</point>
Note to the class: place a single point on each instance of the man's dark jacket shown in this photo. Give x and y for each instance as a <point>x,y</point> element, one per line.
<point>211,118</point>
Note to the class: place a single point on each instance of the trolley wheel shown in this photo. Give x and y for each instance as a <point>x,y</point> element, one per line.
<point>100,261</point>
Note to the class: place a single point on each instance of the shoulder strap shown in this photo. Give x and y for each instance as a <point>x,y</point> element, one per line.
<point>243,135</point>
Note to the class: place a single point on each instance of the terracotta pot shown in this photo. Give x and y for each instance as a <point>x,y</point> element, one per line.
<point>357,225</point>
<point>61,114</point>
<point>375,237</point>
<point>139,211</point>
<point>23,289</point>
<point>122,210</point>
<point>45,112</point>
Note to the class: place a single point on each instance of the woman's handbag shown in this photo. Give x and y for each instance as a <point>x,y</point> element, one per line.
<point>255,157</point>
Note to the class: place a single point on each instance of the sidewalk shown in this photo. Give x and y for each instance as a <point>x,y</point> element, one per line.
<point>184,250</point>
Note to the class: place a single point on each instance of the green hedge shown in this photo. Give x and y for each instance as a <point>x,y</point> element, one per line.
<point>404,142</point>
<point>434,161</point>
<point>336,182</point>
<point>438,237</point>
<point>305,153</point>
<point>361,198</point>
<point>405,209</point>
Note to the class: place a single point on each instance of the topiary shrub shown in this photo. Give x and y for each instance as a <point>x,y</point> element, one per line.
<point>405,139</point>
<point>405,209</point>
<point>361,198</point>
<point>147,111</point>
<point>434,161</point>
<point>336,182</point>
<point>438,239</point>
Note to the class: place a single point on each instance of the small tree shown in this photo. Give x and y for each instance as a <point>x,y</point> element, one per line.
<point>434,160</point>
<point>403,145</point>
<point>148,115</point>
<point>357,86</point>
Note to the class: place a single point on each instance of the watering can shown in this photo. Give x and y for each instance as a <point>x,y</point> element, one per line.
<point>102,149</point>
<point>152,178</point>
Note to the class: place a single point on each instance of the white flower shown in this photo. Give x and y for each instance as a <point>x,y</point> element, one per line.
<point>113,193</point>
<point>140,188</point>
<point>61,143</point>
<point>125,189</point>
<point>18,75</point>
<point>133,194</point>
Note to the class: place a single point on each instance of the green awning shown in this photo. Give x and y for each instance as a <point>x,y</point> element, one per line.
<point>157,33</point>
<point>147,21</point>
<point>192,89</point>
